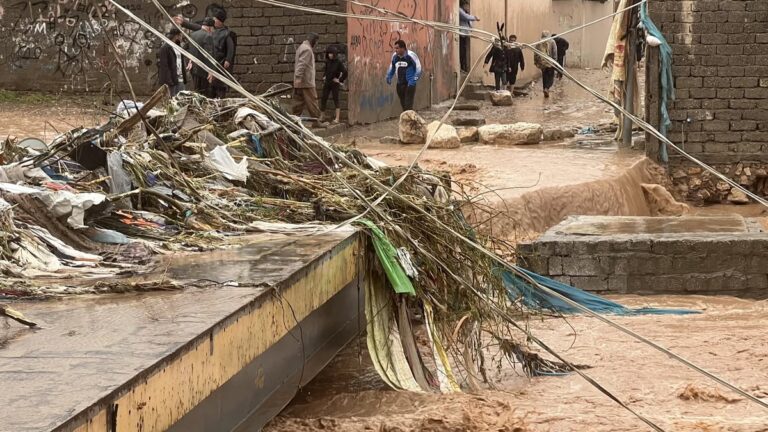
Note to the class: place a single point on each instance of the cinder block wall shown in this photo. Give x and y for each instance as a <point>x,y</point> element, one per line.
<point>720,114</point>
<point>62,45</point>
<point>268,37</point>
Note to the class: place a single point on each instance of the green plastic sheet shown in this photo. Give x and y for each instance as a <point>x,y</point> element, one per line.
<point>388,258</point>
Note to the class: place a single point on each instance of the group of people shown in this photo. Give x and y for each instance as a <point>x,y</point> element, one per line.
<point>213,42</point>
<point>505,59</point>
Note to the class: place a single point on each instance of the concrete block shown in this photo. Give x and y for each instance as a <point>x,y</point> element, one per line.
<point>617,284</point>
<point>590,283</point>
<point>576,266</point>
<point>757,281</point>
<point>555,266</point>
<point>563,279</point>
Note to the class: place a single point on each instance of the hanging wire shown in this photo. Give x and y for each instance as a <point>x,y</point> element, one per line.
<point>294,128</point>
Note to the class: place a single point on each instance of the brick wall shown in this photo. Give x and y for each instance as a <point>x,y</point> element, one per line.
<point>720,114</point>
<point>63,44</point>
<point>268,37</point>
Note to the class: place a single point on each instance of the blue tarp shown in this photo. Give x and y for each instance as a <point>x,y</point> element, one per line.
<point>536,298</point>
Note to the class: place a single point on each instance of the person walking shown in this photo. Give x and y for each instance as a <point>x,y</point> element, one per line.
<point>547,70</point>
<point>203,37</point>
<point>171,64</point>
<point>465,21</point>
<point>406,65</point>
<point>498,59</point>
<point>562,48</point>
<point>515,61</point>
<point>335,75</point>
<point>304,87</point>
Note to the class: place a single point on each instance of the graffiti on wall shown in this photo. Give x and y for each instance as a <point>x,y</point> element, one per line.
<point>371,45</point>
<point>68,41</point>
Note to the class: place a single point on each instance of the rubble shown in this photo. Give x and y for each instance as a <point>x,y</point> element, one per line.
<point>466,107</point>
<point>468,121</point>
<point>413,128</point>
<point>738,197</point>
<point>468,134</point>
<point>501,98</point>
<point>557,134</point>
<point>511,134</point>
<point>389,140</point>
<point>442,136</point>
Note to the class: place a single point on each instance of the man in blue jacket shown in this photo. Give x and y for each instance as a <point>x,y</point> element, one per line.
<point>407,67</point>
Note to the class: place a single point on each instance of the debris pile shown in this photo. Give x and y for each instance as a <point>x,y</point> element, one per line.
<point>189,173</point>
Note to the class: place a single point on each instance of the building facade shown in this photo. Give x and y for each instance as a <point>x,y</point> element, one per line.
<point>64,45</point>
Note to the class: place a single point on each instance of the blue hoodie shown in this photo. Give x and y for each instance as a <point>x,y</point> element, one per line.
<point>407,68</point>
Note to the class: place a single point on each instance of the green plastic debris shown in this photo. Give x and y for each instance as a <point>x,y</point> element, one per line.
<point>388,258</point>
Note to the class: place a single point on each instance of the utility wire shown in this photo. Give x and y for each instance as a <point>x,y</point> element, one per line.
<point>304,132</point>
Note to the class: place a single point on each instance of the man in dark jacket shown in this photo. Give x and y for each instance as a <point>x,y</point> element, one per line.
<point>204,38</point>
<point>223,47</point>
<point>335,75</point>
<point>223,50</point>
<point>515,60</point>
<point>499,65</point>
<point>171,65</point>
<point>562,47</point>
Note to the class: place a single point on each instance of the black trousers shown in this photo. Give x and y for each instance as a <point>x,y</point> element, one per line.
<point>561,62</point>
<point>500,78</point>
<point>202,86</point>
<point>330,88</point>
<point>406,94</point>
<point>548,77</point>
<point>512,77</point>
<point>464,52</point>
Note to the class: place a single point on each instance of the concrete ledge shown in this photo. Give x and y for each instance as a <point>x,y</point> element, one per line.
<point>199,359</point>
<point>706,255</point>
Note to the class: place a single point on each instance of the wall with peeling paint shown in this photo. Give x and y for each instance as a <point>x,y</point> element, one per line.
<point>371,45</point>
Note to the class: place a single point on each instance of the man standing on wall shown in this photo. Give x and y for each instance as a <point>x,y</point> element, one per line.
<point>204,38</point>
<point>549,48</point>
<point>407,67</point>
<point>465,21</point>
<point>171,69</point>
<point>562,47</point>
<point>515,60</point>
<point>304,86</point>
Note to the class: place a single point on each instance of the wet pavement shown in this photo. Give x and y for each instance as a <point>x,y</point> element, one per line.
<point>86,347</point>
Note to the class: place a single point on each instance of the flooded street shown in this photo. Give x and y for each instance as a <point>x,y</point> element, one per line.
<point>541,183</point>
<point>535,185</point>
<point>728,339</point>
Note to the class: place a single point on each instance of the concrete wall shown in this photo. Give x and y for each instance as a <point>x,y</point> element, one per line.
<point>60,44</point>
<point>588,44</point>
<point>527,19</point>
<point>371,44</point>
<point>720,67</point>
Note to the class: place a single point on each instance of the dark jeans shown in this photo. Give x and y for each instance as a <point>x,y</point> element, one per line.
<point>219,90</point>
<point>500,78</point>
<point>511,78</point>
<point>561,62</point>
<point>464,52</point>
<point>406,94</point>
<point>548,77</point>
<point>202,86</point>
<point>330,88</point>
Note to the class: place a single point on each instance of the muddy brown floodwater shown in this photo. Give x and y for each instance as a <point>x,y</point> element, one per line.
<point>727,338</point>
